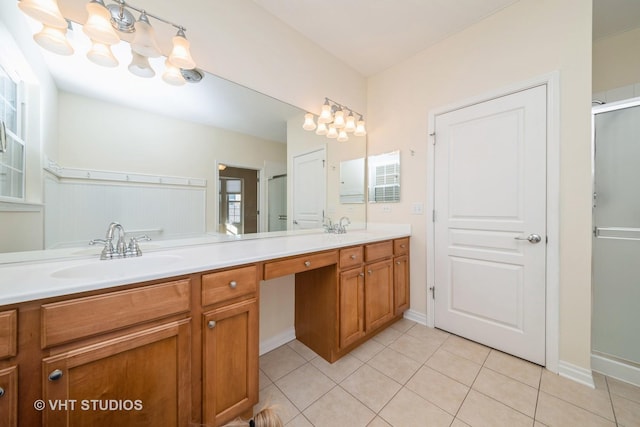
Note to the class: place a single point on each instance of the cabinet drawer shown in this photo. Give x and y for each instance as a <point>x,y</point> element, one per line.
<point>350,257</point>
<point>401,246</point>
<point>223,285</point>
<point>299,264</point>
<point>8,333</point>
<point>376,251</point>
<point>82,317</point>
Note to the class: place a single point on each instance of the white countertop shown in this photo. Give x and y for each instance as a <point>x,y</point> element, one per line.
<point>28,281</point>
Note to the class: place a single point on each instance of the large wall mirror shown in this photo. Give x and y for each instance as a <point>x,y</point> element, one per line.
<point>157,158</point>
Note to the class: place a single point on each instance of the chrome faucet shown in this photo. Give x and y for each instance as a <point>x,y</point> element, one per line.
<point>336,228</point>
<point>121,248</point>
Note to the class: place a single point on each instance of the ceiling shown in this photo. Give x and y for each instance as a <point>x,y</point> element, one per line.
<point>612,17</point>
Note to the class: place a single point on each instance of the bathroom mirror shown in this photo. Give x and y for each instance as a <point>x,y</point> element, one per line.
<point>108,138</point>
<point>384,177</point>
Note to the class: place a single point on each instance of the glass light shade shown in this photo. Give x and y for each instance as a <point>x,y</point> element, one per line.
<point>338,119</point>
<point>54,40</point>
<point>360,130</point>
<point>309,124</point>
<point>333,132</point>
<point>322,129</point>
<point>45,11</point>
<point>180,55</point>
<point>101,54</point>
<point>350,124</point>
<point>144,41</point>
<point>342,136</point>
<point>98,26</point>
<point>140,66</point>
<point>326,115</point>
<point>172,75</point>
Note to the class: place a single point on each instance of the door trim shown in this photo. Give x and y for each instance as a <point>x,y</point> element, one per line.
<point>552,82</point>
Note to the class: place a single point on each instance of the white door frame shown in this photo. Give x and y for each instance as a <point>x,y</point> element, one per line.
<point>551,80</point>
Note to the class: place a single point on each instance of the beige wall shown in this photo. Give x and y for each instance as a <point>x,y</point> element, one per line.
<point>526,40</point>
<point>616,62</point>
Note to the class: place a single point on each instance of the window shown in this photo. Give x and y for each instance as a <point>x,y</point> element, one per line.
<point>12,147</point>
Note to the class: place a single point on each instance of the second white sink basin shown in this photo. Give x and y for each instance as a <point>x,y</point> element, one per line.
<point>115,267</point>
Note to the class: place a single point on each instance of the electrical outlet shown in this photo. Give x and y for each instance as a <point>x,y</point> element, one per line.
<point>417,209</point>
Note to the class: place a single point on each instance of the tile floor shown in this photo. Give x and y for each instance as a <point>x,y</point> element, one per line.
<point>411,375</point>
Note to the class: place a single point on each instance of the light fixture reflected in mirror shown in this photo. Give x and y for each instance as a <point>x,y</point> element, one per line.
<point>45,11</point>
<point>54,39</point>
<point>140,66</point>
<point>172,74</point>
<point>333,123</point>
<point>101,54</point>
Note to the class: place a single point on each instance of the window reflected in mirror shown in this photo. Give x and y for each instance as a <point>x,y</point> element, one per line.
<point>384,177</point>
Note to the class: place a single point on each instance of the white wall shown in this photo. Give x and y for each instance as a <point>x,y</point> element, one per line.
<point>525,40</point>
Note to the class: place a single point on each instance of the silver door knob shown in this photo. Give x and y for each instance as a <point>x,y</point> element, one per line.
<point>531,238</point>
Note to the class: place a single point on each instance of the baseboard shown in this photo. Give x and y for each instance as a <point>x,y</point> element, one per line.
<point>576,373</point>
<point>616,369</point>
<point>416,316</point>
<point>274,342</point>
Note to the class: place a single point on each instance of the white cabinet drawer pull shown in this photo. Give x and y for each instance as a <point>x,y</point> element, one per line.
<point>233,284</point>
<point>307,263</point>
<point>211,324</point>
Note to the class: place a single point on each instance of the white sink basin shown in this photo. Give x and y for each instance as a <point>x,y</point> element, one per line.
<point>116,267</point>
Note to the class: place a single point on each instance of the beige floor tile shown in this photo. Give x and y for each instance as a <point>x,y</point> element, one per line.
<point>511,366</point>
<point>414,348</point>
<point>394,365</point>
<point>340,369</point>
<point>367,350</point>
<point>408,409</point>
<point>553,412</point>
<point>378,422</point>
<point>439,389</point>
<point>338,408</point>
<point>387,336</point>
<point>371,387</point>
<point>595,400</point>
<point>429,334</point>
<point>263,380</point>
<point>403,325</point>
<point>459,368</point>
<point>473,351</point>
<point>626,390</point>
<point>299,421</point>
<point>512,393</point>
<point>304,385</point>
<point>279,362</point>
<point>272,396</point>
<point>479,410</point>
<point>458,423</point>
<point>302,350</point>
<point>627,411</point>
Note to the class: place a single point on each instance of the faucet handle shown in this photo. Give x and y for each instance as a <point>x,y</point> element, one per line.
<point>96,241</point>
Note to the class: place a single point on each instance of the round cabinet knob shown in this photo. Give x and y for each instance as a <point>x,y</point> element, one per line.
<point>398,262</point>
<point>233,284</point>
<point>211,324</point>
<point>55,375</point>
<point>307,263</point>
<point>361,274</point>
<point>370,272</point>
<point>353,257</point>
<point>1,392</point>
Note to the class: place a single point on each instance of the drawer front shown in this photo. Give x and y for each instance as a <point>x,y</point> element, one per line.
<point>299,264</point>
<point>223,285</point>
<point>401,246</point>
<point>8,333</point>
<point>351,257</point>
<point>376,251</point>
<point>83,317</point>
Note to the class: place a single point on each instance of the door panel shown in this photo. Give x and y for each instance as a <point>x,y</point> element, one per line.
<point>309,189</point>
<point>490,195</point>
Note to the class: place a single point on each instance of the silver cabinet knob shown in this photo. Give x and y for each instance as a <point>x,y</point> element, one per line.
<point>307,263</point>
<point>211,324</point>
<point>1,392</point>
<point>233,284</point>
<point>361,274</point>
<point>55,375</point>
<point>353,257</point>
<point>370,272</point>
<point>398,262</point>
<point>531,238</point>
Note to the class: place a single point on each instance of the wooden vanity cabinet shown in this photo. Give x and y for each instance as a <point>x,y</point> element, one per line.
<point>401,274</point>
<point>8,375</point>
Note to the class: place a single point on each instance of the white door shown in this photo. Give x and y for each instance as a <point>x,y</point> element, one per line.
<point>309,189</point>
<point>489,198</point>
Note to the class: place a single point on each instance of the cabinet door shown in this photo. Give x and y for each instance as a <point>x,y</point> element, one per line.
<point>401,283</point>
<point>230,361</point>
<point>351,310</point>
<point>139,379</point>
<point>9,397</point>
<point>378,294</point>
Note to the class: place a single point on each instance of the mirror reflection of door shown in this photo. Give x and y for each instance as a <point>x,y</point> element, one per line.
<point>238,201</point>
<point>277,205</point>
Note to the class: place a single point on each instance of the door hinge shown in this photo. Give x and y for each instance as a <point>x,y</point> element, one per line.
<point>433,135</point>
<point>433,292</point>
<point>433,215</point>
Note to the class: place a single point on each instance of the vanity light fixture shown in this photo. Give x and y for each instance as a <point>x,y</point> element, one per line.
<point>335,121</point>
<point>105,26</point>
